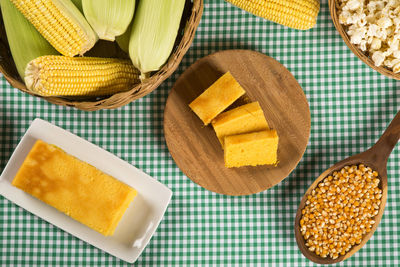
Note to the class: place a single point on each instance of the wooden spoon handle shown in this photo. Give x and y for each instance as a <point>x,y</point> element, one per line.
<point>388,140</point>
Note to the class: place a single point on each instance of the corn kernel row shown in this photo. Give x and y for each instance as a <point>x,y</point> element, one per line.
<point>341,210</point>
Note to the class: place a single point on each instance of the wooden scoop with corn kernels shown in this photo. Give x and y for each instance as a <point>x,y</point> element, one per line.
<point>345,203</point>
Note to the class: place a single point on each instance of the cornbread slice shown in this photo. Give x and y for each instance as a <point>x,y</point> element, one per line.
<point>244,119</point>
<point>251,149</point>
<point>74,187</point>
<point>217,98</point>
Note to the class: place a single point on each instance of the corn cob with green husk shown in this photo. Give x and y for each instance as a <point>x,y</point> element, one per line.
<point>123,40</point>
<point>297,14</point>
<point>154,31</point>
<point>25,42</point>
<point>61,23</point>
<point>109,18</point>
<point>79,76</point>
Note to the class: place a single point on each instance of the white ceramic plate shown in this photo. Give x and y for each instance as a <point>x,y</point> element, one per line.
<point>140,220</point>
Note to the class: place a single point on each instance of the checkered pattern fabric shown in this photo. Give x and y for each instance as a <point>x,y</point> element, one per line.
<point>350,104</point>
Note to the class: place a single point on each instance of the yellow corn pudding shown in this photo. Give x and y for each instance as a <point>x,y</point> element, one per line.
<point>251,149</point>
<point>74,187</point>
<point>217,98</point>
<point>244,119</point>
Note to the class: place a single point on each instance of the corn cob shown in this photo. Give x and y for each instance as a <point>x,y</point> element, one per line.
<point>79,76</point>
<point>24,40</point>
<point>109,18</point>
<point>296,14</point>
<point>61,23</point>
<point>154,31</point>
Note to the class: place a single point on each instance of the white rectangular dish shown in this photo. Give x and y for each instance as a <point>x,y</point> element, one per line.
<point>140,220</point>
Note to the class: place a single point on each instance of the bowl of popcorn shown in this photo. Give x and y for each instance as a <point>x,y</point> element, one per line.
<point>371,29</point>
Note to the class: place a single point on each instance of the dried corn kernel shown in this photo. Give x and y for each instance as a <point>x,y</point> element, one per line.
<point>341,210</point>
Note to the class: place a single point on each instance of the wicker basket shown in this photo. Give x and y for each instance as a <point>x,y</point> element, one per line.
<point>190,21</point>
<point>333,7</point>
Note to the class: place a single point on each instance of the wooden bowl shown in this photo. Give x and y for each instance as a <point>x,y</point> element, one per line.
<point>189,23</point>
<point>333,7</point>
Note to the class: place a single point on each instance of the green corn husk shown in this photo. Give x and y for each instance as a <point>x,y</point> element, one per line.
<point>24,40</point>
<point>109,18</point>
<point>153,35</point>
<point>78,4</point>
<point>123,40</point>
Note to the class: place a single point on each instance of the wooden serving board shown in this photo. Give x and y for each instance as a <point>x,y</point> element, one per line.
<point>195,147</point>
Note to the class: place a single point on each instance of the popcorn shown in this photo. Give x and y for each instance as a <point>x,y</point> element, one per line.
<point>396,68</point>
<point>376,44</point>
<point>378,57</point>
<point>357,35</point>
<point>353,5</point>
<point>374,26</point>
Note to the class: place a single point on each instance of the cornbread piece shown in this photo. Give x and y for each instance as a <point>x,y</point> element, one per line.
<point>217,98</point>
<point>251,149</point>
<point>74,187</point>
<point>244,119</point>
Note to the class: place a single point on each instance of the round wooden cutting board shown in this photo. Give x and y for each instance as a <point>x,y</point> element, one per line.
<point>195,147</point>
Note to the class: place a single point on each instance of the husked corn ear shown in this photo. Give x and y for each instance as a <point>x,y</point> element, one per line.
<point>154,30</point>
<point>61,23</point>
<point>79,76</point>
<point>25,42</point>
<point>296,14</point>
<point>109,18</point>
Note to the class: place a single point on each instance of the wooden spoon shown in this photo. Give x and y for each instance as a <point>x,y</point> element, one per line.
<point>376,158</point>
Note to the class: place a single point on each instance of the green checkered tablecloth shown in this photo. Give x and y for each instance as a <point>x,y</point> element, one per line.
<point>350,104</point>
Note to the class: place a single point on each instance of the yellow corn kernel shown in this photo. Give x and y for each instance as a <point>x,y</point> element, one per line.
<point>79,76</point>
<point>296,14</point>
